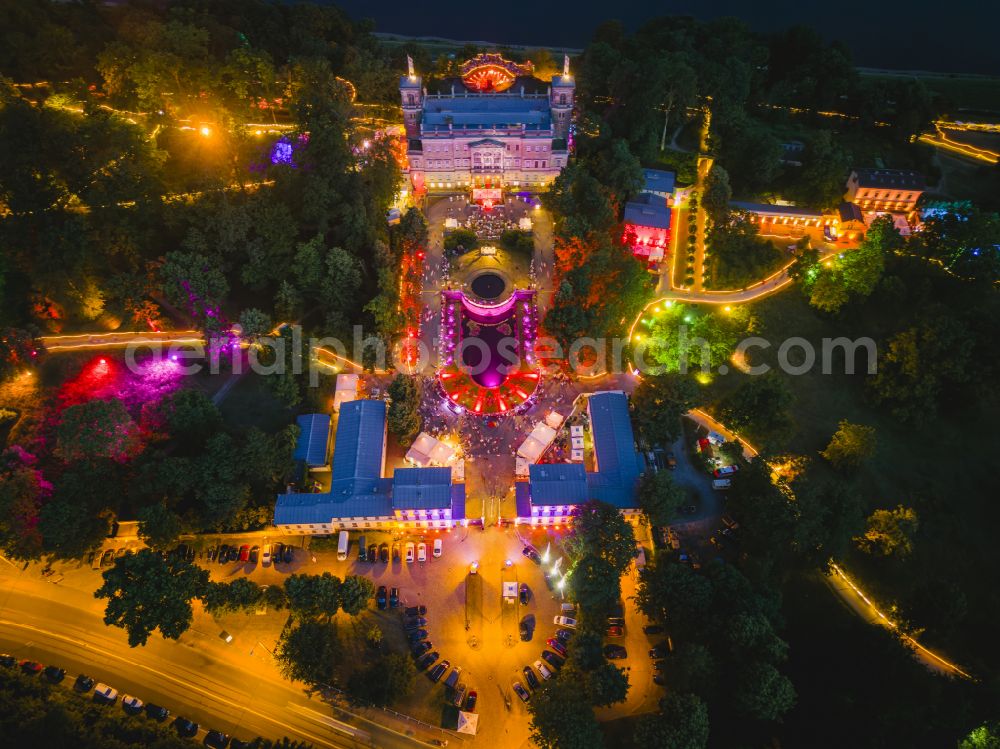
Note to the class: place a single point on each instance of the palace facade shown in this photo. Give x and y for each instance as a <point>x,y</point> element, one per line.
<point>497,127</point>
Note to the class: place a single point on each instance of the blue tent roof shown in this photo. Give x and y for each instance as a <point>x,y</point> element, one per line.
<point>421,488</point>
<point>558,483</point>
<point>360,440</point>
<point>314,436</point>
<point>648,209</point>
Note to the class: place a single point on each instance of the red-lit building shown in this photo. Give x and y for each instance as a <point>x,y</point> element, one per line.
<point>647,226</point>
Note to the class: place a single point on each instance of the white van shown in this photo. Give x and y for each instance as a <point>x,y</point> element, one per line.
<point>343,545</point>
<point>437,548</point>
<point>720,485</point>
<point>104,693</point>
<point>421,552</point>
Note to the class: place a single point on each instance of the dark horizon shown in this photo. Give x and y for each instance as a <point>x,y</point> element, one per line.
<point>914,37</point>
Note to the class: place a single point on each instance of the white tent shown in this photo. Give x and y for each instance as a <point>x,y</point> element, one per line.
<point>537,442</point>
<point>554,419</point>
<point>576,430</point>
<point>347,390</point>
<point>468,722</point>
<point>524,224</point>
<point>420,451</point>
<point>520,466</point>
<point>442,454</point>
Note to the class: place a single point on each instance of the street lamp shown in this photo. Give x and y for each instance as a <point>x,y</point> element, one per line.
<point>205,130</point>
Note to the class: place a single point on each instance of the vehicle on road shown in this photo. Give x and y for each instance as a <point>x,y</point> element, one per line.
<point>523,593</point>
<point>254,554</point>
<point>565,634</point>
<point>567,608</point>
<point>470,702</point>
<point>720,485</point>
<point>131,705</point>
<point>529,676</point>
<point>415,611</point>
<point>615,652</point>
<point>544,670</point>
<point>244,553</point>
<point>437,672</point>
<point>372,553</point>
<point>383,553</point>
<point>83,683</point>
<point>420,634</point>
<point>265,556</point>
<point>552,659</point>
<point>343,544</point>
<point>556,644</point>
<point>437,553</point>
<point>393,597</point>
<point>108,557</point>
<point>104,693</point>
<point>216,739</point>
<point>421,552</point>
<point>653,629</point>
<point>728,521</point>
<point>54,674</point>
<point>186,728</point>
<point>381,597</point>
<point>520,691</point>
<point>420,648</point>
<point>531,554</point>
<point>225,636</point>
<point>424,661</point>
<point>362,557</point>
<point>722,471</point>
<point>156,712</point>
<point>564,621</point>
<point>409,552</point>
<point>31,668</point>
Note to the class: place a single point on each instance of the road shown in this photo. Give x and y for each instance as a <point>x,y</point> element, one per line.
<point>218,685</point>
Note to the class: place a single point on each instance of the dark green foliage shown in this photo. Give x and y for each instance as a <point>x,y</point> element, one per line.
<point>385,681</point>
<point>659,497</point>
<point>404,418</point>
<point>309,651</point>
<point>600,530</point>
<point>658,403</point>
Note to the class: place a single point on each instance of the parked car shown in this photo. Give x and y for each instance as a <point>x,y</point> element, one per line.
<point>564,621</point>
<point>438,548</point>
<point>520,691</point>
<point>470,701</point>
<point>381,597</point>
<point>156,712</point>
<point>723,471</point>
<point>418,635</point>
<point>238,744</point>
<point>420,648</point>
<point>362,556</point>
<point>660,679</point>
<point>372,553</point>
<point>276,551</point>
<point>438,671</point>
<point>421,552</point>
<point>393,597</point>
<point>108,557</point>
<point>556,644</point>
<point>523,594</point>
<point>186,728</point>
<point>452,681</point>
<point>615,652</point>
<point>210,553</point>
<point>544,670</point>
<point>222,556</point>
<point>533,555</point>
<point>265,556</point>
<point>565,634</point>
<point>104,693</point>
<point>424,661</point>
<point>615,630</point>
<point>83,683</point>
<point>729,522</point>
<point>31,668</point>
<point>525,631</point>
<point>287,555</point>
<point>216,739</point>
<point>415,611</point>
<point>567,608</point>
<point>659,665</point>
<point>529,676</point>
<point>131,705</point>
<point>688,510</point>
<point>234,553</point>
<point>409,551</point>
<point>244,553</point>
<point>254,554</point>
<point>414,623</point>
<point>383,553</point>
<point>395,552</point>
<point>652,629</point>
<point>659,651</point>
<point>459,698</point>
<point>552,659</point>
<point>54,674</point>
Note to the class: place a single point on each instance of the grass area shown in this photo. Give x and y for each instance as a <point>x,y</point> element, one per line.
<point>252,404</point>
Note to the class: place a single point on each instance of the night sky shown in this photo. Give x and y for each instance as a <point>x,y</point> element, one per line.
<point>958,36</point>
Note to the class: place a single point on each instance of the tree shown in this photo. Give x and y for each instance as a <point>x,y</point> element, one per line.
<point>309,651</point>
<point>355,592</point>
<point>763,692</point>
<point>159,526</point>
<point>374,636</point>
<point>600,530</point>
<point>146,592</point>
<point>255,324</point>
<point>191,417</point>
<point>194,283</point>
<point>390,678</point>
<point>659,497</point>
<point>273,596</point>
<point>890,532</point>
<point>69,529</point>
<point>673,592</point>
<point>22,491</point>
<point>716,194</point>
<point>562,717</point>
<point>339,287</point>
<point>96,429</point>
<point>850,446</point>
<point>313,595</point>
<point>403,418</point>
<point>761,405</point>
<point>595,585</point>
<point>658,404</point>
<point>681,723</point>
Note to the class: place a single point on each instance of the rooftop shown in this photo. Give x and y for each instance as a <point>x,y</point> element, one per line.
<point>647,209</point>
<point>314,436</point>
<point>898,179</point>
<point>658,180</point>
<point>486,111</point>
<point>774,210</point>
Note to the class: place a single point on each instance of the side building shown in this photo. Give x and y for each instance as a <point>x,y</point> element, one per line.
<point>359,497</point>
<point>553,490</point>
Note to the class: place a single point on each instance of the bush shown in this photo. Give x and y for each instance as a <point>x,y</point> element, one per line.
<point>517,241</point>
<point>464,238</point>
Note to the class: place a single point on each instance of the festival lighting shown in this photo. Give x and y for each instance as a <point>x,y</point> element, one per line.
<point>205,130</point>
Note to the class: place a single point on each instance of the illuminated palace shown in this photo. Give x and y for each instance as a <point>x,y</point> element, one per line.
<point>495,127</point>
